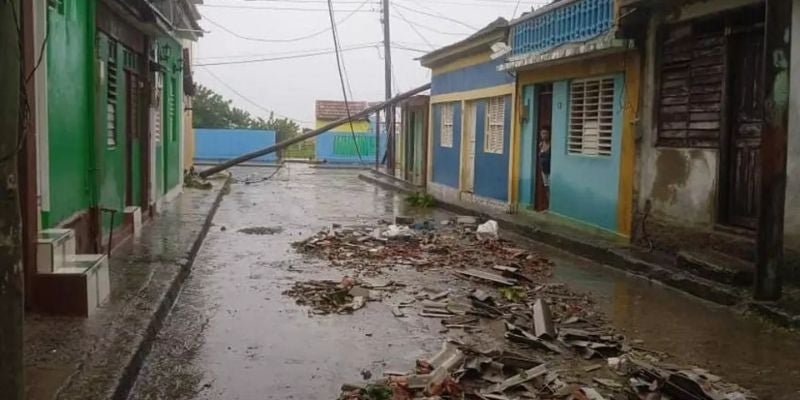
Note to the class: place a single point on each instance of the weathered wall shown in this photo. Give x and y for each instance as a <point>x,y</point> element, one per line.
<point>70,76</point>
<point>225,144</point>
<point>188,118</point>
<point>680,184</point>
<point>792,214</point>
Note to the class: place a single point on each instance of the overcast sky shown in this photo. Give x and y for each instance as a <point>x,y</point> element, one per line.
<point>266,29</point>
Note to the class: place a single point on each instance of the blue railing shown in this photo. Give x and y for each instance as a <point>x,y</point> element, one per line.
<point>557,24</point>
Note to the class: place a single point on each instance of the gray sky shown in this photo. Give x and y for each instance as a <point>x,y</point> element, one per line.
<point>290,86</point>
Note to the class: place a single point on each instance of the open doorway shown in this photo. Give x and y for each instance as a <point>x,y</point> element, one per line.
<point>544,113</point>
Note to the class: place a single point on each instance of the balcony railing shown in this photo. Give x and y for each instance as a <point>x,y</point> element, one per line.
<point>568,21</point>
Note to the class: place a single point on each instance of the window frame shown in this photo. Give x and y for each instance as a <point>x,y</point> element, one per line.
<point>604,122</point>
<point>447,125</point>
<point>490,124</point>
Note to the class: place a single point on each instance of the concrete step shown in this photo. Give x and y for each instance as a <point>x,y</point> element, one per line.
<point>388,181</point>
<point>77,288</point>
<point>53,246</point>
<point>716,266</point>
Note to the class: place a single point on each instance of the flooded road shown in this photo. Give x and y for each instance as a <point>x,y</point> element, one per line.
<point>233,335</point>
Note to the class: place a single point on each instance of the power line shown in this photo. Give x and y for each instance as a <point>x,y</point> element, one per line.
<point>400,46</point>
<point>414,28</point>
<point>235,7</point>
<point>341,79</point>
<point>428,28</point>
<point>247,99</point>
<point>309,36</point>
<point>232,57</point>
<point>288,57</point>
<point>436,15</point>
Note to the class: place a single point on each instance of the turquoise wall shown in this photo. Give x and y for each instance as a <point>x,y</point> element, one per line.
<point>172,137</point>
<point>584,188</point>
<point>527,178</point>
<point>446,160</point>
<point>70,91</point>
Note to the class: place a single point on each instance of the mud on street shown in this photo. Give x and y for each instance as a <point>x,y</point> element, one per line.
<point>306,289</point>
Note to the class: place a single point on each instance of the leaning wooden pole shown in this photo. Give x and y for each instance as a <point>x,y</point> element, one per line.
<point>769,244</point>
<point>11,282</point>
<point>271,149</point>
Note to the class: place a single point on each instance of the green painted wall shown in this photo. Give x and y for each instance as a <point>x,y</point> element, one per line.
<point>172,111</point>
<point>70,108</point>
<point>110,158</point>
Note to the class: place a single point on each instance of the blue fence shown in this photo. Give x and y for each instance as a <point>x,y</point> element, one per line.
<point>575,21</point>
<point>225,144</point>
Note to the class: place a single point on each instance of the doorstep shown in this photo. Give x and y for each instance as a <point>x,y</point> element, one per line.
<point>712,277</point>
<point>100,356</point>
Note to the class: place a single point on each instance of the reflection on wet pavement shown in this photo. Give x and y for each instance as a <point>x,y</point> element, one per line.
<point>233,335</point>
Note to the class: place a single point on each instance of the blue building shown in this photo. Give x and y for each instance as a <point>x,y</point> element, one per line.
<point>348,143</point>
<point>215,145</point>
<point>471,121</point>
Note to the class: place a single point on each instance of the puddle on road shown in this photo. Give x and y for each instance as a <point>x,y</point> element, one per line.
<point>742,349</point>
<point>234,335</point>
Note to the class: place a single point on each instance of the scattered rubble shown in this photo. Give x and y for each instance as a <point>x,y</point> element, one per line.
<point>261,230</point>
<point>547,342</point>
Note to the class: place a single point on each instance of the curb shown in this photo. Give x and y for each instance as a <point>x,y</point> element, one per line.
<point>131,371</point>
<point>621,258</point>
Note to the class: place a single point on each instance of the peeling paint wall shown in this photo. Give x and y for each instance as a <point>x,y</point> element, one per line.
<point>792,212</point>
<point>680,184</point>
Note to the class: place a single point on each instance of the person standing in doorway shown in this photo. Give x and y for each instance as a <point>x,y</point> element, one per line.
<point>544,156</point>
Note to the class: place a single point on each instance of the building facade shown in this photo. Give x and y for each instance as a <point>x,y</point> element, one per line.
<point>471,114</point>
<point>577,85</point>
<point>108,114</point>
<point>348,143</point>
<point>411,142</point>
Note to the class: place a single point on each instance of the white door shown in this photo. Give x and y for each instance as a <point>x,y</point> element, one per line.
<point>469,150</point>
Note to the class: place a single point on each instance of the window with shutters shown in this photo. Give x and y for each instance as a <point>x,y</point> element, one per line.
<point>158,90</point>
<point>495,124</point>
<point>171,111</point>
<point>591,117</point>
<point>691,81</point>
<point>447,125</point>
<point>112,94</point>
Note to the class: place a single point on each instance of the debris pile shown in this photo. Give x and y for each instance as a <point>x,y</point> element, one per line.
<point>459,372</point>
<point>331,297</point>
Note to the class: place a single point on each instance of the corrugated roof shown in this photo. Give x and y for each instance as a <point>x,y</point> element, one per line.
<point>331,110</point>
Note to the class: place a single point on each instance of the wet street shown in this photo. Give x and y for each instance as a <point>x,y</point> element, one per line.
<point>233,335</point>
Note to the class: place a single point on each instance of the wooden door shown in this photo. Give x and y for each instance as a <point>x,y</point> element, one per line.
<point>544,114</point>
<point>469,151</point>
<point>746,96</point>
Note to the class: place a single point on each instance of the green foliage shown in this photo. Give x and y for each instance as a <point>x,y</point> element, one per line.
<point>422,200</point>
<point>211,110</point>
<point>513,294</point>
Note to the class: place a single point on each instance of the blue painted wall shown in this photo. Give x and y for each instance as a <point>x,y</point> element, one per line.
<point>491,170</point>
<point>527,178</point>
<point>446,159</point>
<point>326,149</point>
<point>225,144</point>
<point>585,188</point>
<point>478,76</point>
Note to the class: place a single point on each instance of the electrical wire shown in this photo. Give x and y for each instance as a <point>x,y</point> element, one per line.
<point>428,28</point>
<point>235,7</point>
<point>288,57</point>
<point>341,79</point>
<point>436,15</point>
<point>413,28</point>
<point>296,39</point>
<point>245,98</point>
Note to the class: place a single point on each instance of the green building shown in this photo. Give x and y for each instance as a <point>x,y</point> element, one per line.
<point>109,114</point>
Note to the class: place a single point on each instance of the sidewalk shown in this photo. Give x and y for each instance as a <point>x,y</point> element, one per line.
<point>99,357</point>
<point>616,252</point>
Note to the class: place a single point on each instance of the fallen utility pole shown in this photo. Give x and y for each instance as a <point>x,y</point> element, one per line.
<point>278,146</point>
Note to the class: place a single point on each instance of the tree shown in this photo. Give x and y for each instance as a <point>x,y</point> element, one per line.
<point>211,110</point>
<point>11,286</point>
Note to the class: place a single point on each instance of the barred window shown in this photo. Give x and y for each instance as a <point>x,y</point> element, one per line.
<point>591,117</point>
<point>495,124</point>
<point>447,125</point>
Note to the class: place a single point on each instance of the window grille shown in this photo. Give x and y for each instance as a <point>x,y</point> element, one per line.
<point>591,119</point>
<point>447,125</point>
